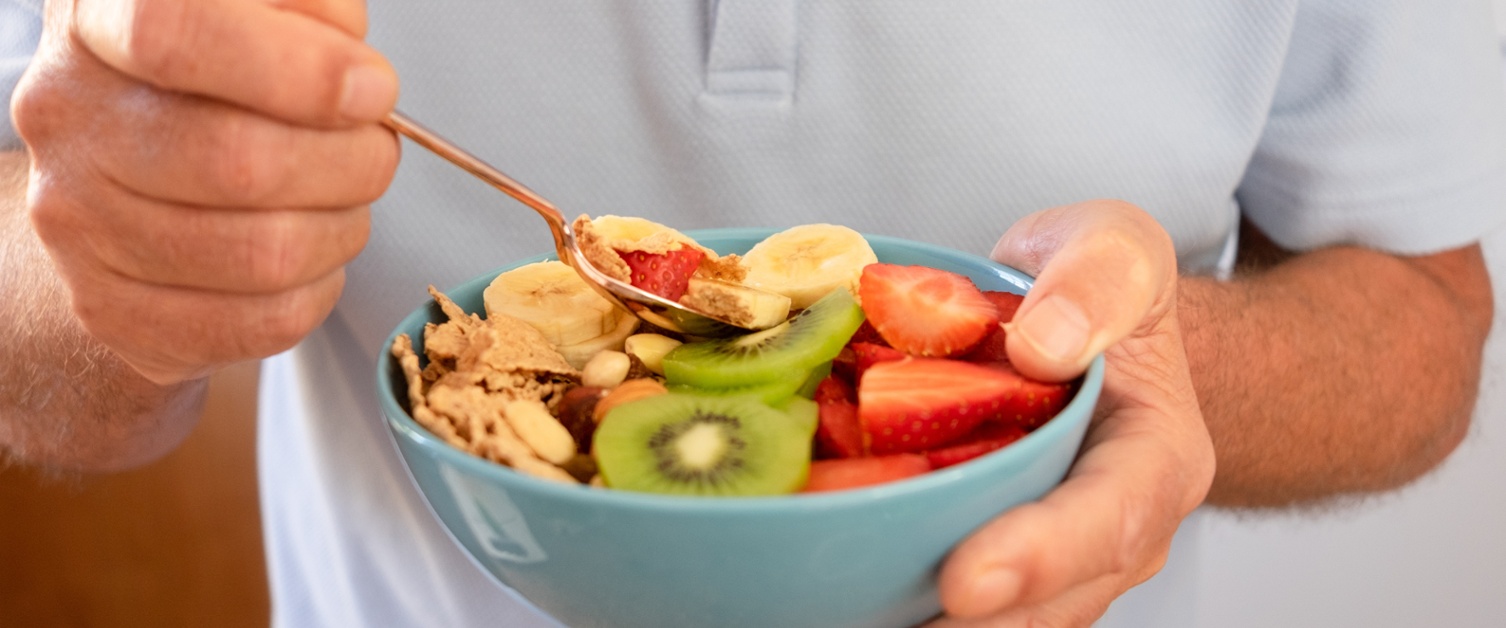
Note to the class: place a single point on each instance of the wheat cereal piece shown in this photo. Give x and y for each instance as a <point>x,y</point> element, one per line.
<point>533,423</point>
<point>478,420</point>
<point>508,344</point>
<point>402,349</point>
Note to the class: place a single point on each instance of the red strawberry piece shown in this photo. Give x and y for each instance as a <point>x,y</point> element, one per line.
<point>866,333</point>
<point>991,349</point>
<point>925,311</point>
<point>838,433</point>
<point>1006,302</point>
<point>923,403</point>
<point>845,366</point>
<point>1033,402</point>
<point>990,436</point>
<point>867,354</point>
<point>665,274</point>
<point>845,473</point>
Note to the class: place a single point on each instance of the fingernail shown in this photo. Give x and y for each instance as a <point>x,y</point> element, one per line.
<point>366,93</point>
<point>1057,328</point>
<point>995,589</point>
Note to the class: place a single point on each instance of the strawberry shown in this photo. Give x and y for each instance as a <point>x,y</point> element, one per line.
<point>991,348</point>
<point>924,311</point>
<point>867,354</point>
<point>921,403</point>
<point>838,433</point>
<point>1032,402</point>
<point>666,274</point>
<point>835,475</point>
<point>1006,302</point>
<point>988,437</point>
<point>866,333</point>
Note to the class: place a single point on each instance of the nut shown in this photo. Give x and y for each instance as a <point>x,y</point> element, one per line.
<point>651,349</point>
<point>544,434</point>
<point>606,369</point>
<point>631,390</point>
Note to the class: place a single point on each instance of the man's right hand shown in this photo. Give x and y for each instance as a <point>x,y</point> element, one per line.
<point>201,169</point>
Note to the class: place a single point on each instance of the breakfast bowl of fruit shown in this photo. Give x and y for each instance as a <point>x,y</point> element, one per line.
<point>812,470</point>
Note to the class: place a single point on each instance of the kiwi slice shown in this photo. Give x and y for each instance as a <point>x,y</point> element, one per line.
<point>773,392</point>
<point>688,444</point>
<point>791,349</point>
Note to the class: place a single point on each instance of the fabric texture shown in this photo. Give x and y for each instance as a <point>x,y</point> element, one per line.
<point>20,30</point>
<point>1369,122</point>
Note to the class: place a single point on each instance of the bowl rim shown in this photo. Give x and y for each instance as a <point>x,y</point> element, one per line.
<point>402,425</point>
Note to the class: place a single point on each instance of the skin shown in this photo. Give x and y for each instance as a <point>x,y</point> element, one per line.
<point>181,212</point>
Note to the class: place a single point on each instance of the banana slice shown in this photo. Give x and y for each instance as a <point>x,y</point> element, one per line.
<point>807,262</point>
<point>551,298</point>
<point>745,307</point>
<point>578,354</point>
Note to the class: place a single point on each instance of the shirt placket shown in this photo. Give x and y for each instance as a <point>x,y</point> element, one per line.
<point>751,55</point>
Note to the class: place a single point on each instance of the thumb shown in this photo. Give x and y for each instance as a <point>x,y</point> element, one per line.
<point>1102,269</point>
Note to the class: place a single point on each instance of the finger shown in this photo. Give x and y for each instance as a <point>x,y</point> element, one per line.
<point>1101,267</point>
<point>346,15</point>
<point>192,150</point>
<point>278,62</point>
<point>1114,516</point>
<point>1080,606</point>
<point>172,334</point>
<point>225,250</point>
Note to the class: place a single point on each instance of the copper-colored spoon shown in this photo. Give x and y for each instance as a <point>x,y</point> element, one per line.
<point>645,305</point>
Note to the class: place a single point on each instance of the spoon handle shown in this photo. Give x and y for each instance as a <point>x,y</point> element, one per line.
<point>438,145</point>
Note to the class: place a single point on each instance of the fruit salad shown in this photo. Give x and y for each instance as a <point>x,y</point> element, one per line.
<point>865,372</point>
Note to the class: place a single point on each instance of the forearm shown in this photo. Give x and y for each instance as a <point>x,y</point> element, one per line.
<point>66,402</point>
<point>1342,371</point>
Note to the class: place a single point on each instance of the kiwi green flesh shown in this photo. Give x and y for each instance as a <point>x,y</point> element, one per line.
<point>812,337</point>
<point>805,412</point>
<point>702,445</point>
<point>773,393</point>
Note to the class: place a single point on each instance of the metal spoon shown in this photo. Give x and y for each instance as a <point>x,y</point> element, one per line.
<point>645,305</point>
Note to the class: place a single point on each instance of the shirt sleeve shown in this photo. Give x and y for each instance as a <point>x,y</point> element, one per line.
<point>20,30</point>
<point>1387,129</point>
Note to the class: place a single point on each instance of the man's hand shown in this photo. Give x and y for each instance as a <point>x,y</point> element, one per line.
<point>201,169</point>
<point>1106,282</point>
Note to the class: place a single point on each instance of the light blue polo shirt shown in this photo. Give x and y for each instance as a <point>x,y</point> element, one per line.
<point>1371,122</point>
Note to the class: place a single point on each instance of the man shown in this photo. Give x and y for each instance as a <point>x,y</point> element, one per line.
<point>200,175</point>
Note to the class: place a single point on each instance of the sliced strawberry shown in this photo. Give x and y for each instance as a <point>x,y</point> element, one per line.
<point>838,433</point>
<point>990,436</point>
<point>866,333</point>
<point>1033,402</point>
<point>835,475</point>
<point>924,311</point>
<point>991,348</point>
<point>1006,302</point>
<point>921,403</point>
<point>665,274</point>
<point>867,354</point>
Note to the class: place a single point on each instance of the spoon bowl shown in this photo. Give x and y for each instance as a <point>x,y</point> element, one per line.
<point>646,305</point>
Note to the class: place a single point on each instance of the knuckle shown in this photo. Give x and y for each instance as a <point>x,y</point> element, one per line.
<point>37,106</point>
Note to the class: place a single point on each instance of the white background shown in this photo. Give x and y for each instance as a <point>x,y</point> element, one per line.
<point>1432,554</point>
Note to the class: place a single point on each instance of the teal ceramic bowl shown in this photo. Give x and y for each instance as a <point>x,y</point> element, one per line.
<point>598,557</point>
